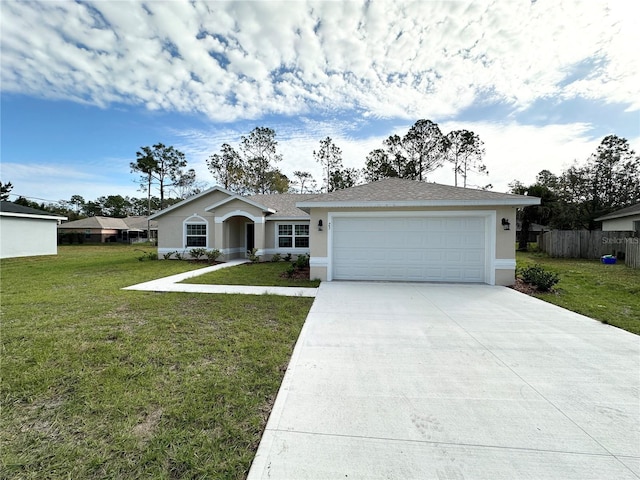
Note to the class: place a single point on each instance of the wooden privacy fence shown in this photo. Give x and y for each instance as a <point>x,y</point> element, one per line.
<point>587,243</point>
<point>632,253</point>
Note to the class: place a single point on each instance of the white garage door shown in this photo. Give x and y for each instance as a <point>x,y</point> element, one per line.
<point>431,249</point>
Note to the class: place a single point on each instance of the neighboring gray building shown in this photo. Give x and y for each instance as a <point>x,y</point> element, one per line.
<point>624,220</point>
<point>27,232</point>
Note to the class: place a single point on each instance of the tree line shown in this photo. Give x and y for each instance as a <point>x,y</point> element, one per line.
<point>251,167</point>
<point>607,181</point>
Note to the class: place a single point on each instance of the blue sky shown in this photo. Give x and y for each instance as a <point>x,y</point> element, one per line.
<point>85,85</point>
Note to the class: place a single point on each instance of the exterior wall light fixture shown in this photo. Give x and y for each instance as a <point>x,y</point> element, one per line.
<point>505,224</point>
<point>320,225</point>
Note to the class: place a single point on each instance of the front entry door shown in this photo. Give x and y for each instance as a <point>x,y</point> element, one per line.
<point>251,240</point>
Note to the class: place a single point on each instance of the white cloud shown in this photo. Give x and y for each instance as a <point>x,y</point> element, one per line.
<point>238,60</point>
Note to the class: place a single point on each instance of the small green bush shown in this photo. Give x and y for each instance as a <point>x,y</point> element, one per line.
<point>291,270</point>
<point>168,255</point>
<point>287,257</point>
<point>197,253</point>
<point>302,262</point>
<point>252,255</point>
<point>148,256</point>
<point>542,279</point>
<point>212,255</point>
<point>276,257</point>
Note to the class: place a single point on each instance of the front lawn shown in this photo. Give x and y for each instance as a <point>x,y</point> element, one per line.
<point>259,274</point>
<point>98,382</point>
<point>609,293</point>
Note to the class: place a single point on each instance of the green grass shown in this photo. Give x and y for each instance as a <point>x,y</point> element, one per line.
<point>608,293</point>
<point>260,274</point>
<point>103,383</point>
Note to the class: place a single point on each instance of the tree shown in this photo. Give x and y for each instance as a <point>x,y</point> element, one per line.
<point>161,165</point>
<point>277,182</point>
<point>329,156</point>
<point>304,179</point>
<point>614,176</point>
<point>5,188</point>
<point>377,166</point>
<point>259,151</point>
<point>227,168</point>
<point>344,178</point>
<point>425,146</point>
<point>465,151</point>
<point>77,201</point>
<point>540,214</point>
<point>187,186</point>
<point>114,206</point>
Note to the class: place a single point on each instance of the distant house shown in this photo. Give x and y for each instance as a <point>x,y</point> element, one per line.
<point>534,230</point>
<point>624,220</point>
<point>101,229</point>
<point>26,232</point>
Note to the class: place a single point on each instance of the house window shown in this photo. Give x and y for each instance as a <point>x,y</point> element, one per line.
<point>636,226</point>
<point>196,235</point>
<point>291,235</point>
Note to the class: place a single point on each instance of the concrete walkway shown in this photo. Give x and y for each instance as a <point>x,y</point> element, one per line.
<point>171,284</point>
<point>432,381</point>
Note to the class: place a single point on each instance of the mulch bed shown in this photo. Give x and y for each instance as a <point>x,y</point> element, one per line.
<point>526,288</point>
<point>299,274</point>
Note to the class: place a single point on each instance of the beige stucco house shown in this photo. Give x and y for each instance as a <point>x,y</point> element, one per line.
<point>623,220</point>
<point>234,224</point>
<point>392,230</point>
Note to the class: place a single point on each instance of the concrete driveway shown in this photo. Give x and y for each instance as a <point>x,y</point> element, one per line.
<point>430,381</point>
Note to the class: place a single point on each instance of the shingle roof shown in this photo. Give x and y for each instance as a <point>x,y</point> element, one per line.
<point>623,212</point>
<point>283,203</point>
<point>110,223</point>
<point>11,207</point>
<point>406,192</point>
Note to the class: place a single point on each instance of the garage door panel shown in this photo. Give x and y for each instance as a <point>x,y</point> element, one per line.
<point>450,249</point>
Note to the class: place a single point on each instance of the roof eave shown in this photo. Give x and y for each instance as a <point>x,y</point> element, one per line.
<point>519,202</point>
<point>262,207</point>
<point>289,218</point>
<point>32,215</point>
<point>189,200</point>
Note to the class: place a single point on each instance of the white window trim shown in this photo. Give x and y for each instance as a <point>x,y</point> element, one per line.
<point>292,248</point>
<point>195,219</point>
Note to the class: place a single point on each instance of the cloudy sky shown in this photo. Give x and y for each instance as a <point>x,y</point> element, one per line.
<point>85,85</point>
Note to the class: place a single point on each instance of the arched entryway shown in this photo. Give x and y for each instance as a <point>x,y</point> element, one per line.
<point>241,233</point>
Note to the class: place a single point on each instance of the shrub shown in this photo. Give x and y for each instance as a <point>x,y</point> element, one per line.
<point>302,262</point>
<point>291,270</point>
<point>542,279</point>
<point>287,257</point>
<point>178,256</point>
<point>197,253</point>
<point>168,255</point>
<point>148,256</point>
<point>212,255</point>
<point>276,257</point>
<point>252,255</point>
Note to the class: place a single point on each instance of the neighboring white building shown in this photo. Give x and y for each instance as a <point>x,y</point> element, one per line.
<point>26,232</point>
<point>624,220</point>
